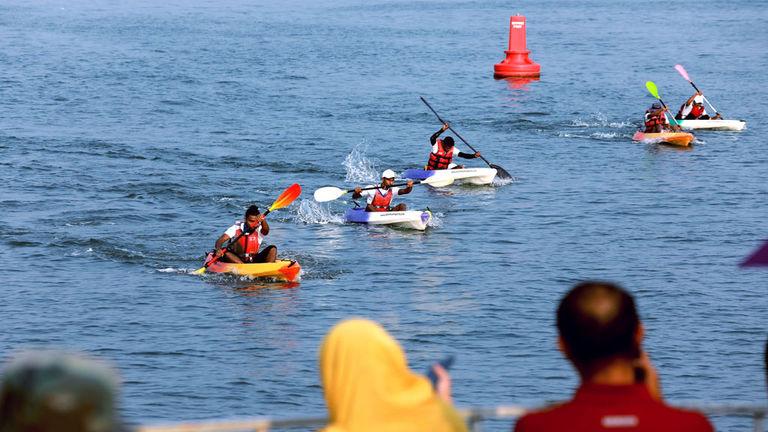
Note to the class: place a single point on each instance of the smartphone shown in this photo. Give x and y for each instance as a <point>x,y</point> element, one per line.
<point>446,363</point>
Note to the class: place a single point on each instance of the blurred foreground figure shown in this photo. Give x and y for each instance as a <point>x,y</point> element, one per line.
<point>57,392</point>
<point>369,388</point>
<point>601,335</point>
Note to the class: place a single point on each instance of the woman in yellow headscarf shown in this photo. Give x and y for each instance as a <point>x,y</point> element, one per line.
<point>369,388</point>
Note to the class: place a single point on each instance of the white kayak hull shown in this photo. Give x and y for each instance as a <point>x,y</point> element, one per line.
<point>409,219</point>
<point>475,176</point>
<point>723,125</point>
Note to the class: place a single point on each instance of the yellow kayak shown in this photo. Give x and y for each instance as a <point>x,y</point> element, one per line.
<point>281,269</point>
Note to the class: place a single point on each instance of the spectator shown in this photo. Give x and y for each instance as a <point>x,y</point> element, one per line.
<point>368,386</point>
<point>56,392</point>
<point>601,335</point>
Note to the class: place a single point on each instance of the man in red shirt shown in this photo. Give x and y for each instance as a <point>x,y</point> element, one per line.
<point>601,334</point>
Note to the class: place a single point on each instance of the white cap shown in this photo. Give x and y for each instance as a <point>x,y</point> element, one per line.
<point>698,99</point>
<point>388,174</point>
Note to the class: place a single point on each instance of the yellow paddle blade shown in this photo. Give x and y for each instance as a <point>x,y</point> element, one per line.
<point>651,86</point>
<point>287,197</point>
<point>199,271</point>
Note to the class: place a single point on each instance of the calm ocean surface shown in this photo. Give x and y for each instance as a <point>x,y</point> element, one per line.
<point>133,133</point>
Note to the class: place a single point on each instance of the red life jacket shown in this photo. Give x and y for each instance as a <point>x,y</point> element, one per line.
<point>248,245</point>
<point>441,159</point>
<point>381,202</point>
<point>697,111</point>
<point>652,120</point>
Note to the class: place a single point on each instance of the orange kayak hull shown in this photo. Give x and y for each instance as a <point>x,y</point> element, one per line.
<point>283,270</point>
<point>682,139</point>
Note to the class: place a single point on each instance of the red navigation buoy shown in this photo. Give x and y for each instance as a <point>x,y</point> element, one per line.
<point>517,63</point>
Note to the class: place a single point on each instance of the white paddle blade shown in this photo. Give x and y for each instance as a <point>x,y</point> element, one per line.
<point>328,193</point>
<point>439,179</point>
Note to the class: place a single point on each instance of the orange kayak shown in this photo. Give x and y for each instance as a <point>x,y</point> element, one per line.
<point>683,139</point>
<point>284,270</point>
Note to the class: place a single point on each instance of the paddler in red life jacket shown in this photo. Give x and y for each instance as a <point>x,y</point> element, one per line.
<point>246,248</point>
<point>443,152</point>
<point>693,109</point>
<point>655,120</point>
<point>380,199</point>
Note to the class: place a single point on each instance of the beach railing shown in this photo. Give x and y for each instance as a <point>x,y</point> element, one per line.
<point>475,417</point>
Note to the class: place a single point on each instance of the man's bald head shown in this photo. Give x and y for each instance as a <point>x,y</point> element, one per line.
<point>598,321</point>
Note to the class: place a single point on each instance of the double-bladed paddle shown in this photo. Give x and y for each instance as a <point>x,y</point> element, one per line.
<point>330,193</point>
<point>284,200</point>
<point>501,172</point>
<point>684,73</point>
<point>651,86</point>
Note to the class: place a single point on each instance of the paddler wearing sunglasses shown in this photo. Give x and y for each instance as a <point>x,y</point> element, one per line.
<point>380,199</point>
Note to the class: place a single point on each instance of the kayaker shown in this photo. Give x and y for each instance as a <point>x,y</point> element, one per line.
<point>693,109</point>
<point>443,152</point>
<point>379,199</point>
<point>246,248</point>
<point>655,120</point>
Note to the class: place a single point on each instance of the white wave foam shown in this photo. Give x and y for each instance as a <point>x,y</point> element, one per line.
<point>359,168</point>
<point>599,120</point>
<point>174,270</point>
<point>436,221</point>
<point>310,212</point>
<point>606,135</point>
<point>80,253</point>
<point>497,181</point>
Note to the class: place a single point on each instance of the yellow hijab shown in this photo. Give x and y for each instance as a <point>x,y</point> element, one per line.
<point>369,388</point>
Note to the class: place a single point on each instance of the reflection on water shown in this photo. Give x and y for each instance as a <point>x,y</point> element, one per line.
<point>519,83</point>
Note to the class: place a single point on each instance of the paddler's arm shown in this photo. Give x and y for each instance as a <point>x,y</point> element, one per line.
<point>264,225</point>
<point>433,138</point>
<point>408,188</point>
<point>357,193</point>
<point>218,251</point>
<point>469,155</point>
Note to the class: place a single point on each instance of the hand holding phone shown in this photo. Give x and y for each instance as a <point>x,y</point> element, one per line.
<point>646,373</point>
<point>440,379</point>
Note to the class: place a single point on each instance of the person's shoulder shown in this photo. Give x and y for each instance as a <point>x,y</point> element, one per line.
<point>687,420</point>
<point>540,420</point>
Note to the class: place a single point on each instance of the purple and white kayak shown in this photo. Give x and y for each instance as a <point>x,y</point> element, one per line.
<point>410,219</point>
<point>475,176</point>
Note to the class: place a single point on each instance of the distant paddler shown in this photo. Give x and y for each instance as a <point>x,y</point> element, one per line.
<point>250,235</point>
<point>379,199</point>
<point>241,243</point>
<point>693,109</point>
<point>443,151</point>
<point>655,120</point>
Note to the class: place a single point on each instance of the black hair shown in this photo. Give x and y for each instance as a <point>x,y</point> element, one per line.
<point>448,141</point>
<point>252,211</point>
<point>598,320</point>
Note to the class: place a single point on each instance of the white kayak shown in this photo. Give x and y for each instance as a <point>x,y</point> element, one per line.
<point>475,176</point>
<point>411,219</point>
<point>723,125</point>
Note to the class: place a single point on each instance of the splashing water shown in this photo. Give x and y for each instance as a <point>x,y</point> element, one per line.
<point>599,120</point>
<point>310,212</point>
<point>497,181</point>
<point>436,221</point>
<point>359,168</point>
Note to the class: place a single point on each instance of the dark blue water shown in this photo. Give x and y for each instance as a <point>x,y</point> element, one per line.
<point>132,134</point>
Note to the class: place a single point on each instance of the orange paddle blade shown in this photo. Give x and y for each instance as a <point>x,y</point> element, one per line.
<point>287,197</point>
